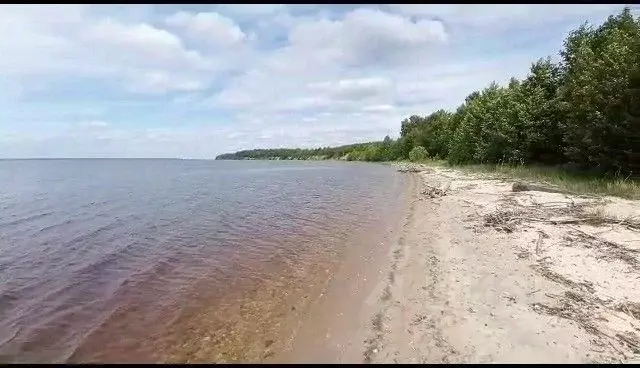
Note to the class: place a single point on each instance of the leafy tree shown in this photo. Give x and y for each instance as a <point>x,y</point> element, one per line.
<point>541,134</point>
<point>597,95</point>
<point>407,125</point>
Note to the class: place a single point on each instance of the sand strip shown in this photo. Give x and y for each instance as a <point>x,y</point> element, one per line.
<point>482,273</point>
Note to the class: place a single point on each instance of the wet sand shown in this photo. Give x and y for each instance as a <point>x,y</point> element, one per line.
<point>336,326</point>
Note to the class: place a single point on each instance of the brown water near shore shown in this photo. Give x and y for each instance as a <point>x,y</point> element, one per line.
<point>179,261</point>
<point>338,325</point>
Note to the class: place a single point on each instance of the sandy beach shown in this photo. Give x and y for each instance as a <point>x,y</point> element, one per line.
<point>481,271</point>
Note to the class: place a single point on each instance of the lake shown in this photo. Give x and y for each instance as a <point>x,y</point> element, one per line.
<point>153,260</point>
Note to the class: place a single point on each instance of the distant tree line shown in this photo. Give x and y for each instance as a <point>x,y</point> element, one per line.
<point>583,111</point>
<point>325,153</point>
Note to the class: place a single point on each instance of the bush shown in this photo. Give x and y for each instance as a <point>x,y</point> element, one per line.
<point>418,153</point>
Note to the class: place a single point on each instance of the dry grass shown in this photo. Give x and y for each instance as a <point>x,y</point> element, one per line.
<point>607,250</point>
<point>630,308</point>
<point>584,309</point>
<point>568,182</point>
<point>585,213</point>
<point>576,183</point>
<point>507,220</point>
<point>573,306</point>
<point>578,302</point>
<point>545,271</point>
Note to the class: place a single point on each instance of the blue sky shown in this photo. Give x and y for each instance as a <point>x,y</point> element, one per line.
<point>194,81</point>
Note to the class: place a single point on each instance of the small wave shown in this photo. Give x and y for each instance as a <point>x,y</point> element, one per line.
<point>51,227</point>
<point>27,219</point>
<point>86,238</point>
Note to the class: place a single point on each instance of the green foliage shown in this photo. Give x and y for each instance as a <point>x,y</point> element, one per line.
<point>418,153</point>
<point>387,150</point>
<point>293,153</point>
<point>410,124</point>
<point>583,111</point>
<point>599,96</point>
<point>542,138</point>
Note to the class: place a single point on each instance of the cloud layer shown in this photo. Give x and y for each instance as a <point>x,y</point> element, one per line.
<point>196,81</point>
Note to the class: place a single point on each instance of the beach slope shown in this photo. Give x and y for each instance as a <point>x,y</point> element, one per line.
<point>485,271</point>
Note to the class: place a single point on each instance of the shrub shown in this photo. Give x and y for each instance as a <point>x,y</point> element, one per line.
<point>418,153</point>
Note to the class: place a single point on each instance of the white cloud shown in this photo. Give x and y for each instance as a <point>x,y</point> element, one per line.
<point>73,40</point>
<point>142,45</point>
<point>310,72</point>
<point>200,81</point>
<point>505,15</point>
<point>158,81</point>
<point>353,89</point>
<point>28,46</point>
<point>378,108</point>
<point>363,37</point>
<point>210,27</point>
<point>95,123</point>
<point>251,9</point>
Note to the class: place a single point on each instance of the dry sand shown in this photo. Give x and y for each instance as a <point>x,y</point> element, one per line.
<point>481,273</point>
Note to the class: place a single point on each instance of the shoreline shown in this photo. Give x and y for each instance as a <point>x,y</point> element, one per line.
<point>336,325</point>
<point>508,276</point>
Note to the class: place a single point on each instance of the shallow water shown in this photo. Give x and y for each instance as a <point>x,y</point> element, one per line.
<point>173,260</point>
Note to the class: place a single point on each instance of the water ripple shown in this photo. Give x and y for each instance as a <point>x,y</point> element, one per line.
<point>101,259</point>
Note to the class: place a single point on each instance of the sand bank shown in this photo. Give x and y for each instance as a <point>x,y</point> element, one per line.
<point>482,273</point>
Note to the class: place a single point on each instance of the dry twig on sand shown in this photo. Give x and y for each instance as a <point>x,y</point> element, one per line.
<point>608,249</point>
<point>433,192</point>
<point>554,214</point>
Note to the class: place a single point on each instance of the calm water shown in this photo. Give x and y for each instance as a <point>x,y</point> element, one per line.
<point>171,260</point>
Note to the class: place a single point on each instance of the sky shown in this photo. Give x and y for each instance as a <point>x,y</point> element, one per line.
<point>194,81</point>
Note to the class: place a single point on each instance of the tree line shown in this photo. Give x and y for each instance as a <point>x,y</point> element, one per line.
<point>324,153</point>
<point>582,112</point>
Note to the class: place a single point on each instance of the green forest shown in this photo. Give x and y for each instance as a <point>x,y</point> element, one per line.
<point>581,112</point>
